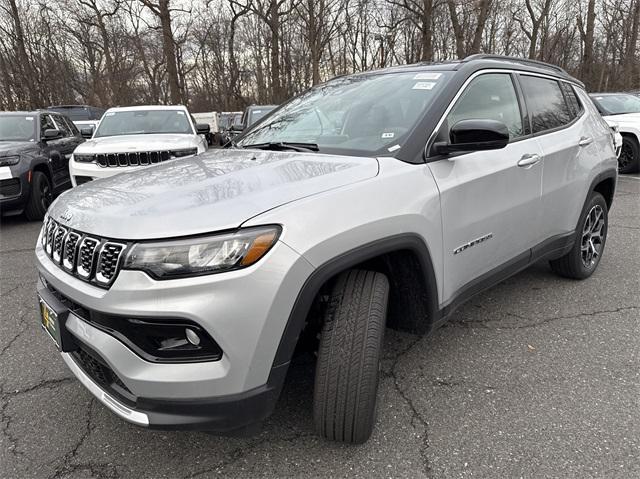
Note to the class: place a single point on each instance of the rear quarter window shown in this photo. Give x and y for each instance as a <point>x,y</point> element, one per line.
<point>546,102</point>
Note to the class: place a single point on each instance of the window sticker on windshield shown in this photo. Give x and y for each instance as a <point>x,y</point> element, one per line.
<point>424,85</point>
<point>29,118</point>
<point>427,76</point>
<point>598,98</point>
<point>388,135</point>
<point>180,112</point>
<point>394,148</point>
<point>111,113</point>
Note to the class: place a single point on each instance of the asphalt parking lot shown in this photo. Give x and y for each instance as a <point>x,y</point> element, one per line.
<point>537,377</point>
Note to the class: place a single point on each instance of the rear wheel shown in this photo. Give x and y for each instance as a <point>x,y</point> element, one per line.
<point>583,259</point>
<point>346,383</point>
<point>40,197</point>
<point>629,159</point>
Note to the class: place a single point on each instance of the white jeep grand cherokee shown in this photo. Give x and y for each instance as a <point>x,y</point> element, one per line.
<point>135,136</point>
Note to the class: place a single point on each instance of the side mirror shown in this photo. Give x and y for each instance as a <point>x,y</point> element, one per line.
<point>237,127</point>
<point>87,132</point>
<point>475,135</point>
<point>203,128</point>
<point>51,134</point>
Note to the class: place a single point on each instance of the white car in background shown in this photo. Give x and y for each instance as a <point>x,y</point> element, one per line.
<point>623,109</point>
<point>129,138</point>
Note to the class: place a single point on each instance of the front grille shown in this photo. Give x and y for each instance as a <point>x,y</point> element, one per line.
<point>10,187</point>
<point>89,258</point>
<point>135,158</point>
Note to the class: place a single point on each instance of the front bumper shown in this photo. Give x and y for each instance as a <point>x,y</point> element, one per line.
<point>245,311</point>
<point>14,191</point>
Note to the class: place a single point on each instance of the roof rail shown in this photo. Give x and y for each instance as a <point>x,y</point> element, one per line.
<point>488,56</point>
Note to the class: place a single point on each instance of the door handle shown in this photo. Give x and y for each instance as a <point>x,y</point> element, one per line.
<point>528,160</point>
<point>584,141</point>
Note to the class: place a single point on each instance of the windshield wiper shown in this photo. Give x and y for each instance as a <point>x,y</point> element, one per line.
<point>283,146</point>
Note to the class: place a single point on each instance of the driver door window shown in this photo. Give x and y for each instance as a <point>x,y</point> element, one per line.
<point>489,97</point>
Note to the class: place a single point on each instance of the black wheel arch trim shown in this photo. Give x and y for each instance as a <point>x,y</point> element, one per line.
<point>322,274</point>
<point>610,174</point>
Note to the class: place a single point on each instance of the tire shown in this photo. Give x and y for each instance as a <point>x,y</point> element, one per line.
<point>346,382</point>
<point>585,255</point>
<point>629,160</point>
<point>40,197</point>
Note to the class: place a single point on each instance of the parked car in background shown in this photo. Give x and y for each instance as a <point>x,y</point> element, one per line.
<point>81,115</point>
<point>137,136</point>
<point>35,147</point>
<point>211,119</point>
<point>624,110</point>
<point>252,114</point>
<point>225,121</point>
<point>188,287</point>
<point>617,137</point>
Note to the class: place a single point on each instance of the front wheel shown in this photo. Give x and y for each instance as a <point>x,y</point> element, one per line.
<point>591,235</point>
<point>629,159</point>
<point>346,383</point>
<point>40,197</point>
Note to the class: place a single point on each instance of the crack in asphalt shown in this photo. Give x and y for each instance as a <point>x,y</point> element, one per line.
<point>98,470</point>
<point>5,419</point>
<point>415,414</point>
<point>533,323</point>
<point>23,328</point>
<point>240,452</point>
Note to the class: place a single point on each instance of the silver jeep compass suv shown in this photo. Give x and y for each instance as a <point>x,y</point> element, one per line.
<point>178,294</point>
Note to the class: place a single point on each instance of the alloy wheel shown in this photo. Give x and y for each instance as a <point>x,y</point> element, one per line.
<point>593,233</point>
<point>45,195</point>
<point>626,156</point>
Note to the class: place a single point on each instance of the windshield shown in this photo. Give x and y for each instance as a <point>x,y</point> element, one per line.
<point>17,127</point>
<point>143,122</point>
<point>360,115</point>
<point>618,104</point>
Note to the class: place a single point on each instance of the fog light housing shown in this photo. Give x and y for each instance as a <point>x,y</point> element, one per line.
<point>161,340</point>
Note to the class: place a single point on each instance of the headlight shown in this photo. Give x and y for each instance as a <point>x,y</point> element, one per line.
<point>9,160</point>
<point>83,158</point>
<point>186,152</point>
<point>202,255</point>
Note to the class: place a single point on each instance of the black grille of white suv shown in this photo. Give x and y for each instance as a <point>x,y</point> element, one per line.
<point>90,258</point>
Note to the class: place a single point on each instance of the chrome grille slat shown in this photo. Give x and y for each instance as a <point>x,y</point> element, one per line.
<point>69,252</point>
<point>86,256</point>
<point>108,261</point>
<point>58,243</point>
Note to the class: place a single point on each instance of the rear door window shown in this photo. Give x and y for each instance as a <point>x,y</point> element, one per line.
<point>547,104</point>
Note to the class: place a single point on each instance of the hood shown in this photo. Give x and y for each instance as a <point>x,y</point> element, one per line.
<point>214,191</point>
<point>126,143</point>
<point>12,147</point>
<point>625,119</point>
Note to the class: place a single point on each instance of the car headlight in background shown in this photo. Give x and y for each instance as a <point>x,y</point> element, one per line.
<point>9,160</point>
<point>182,153</point>
<point>202,255</point>
<point>84,158</point>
